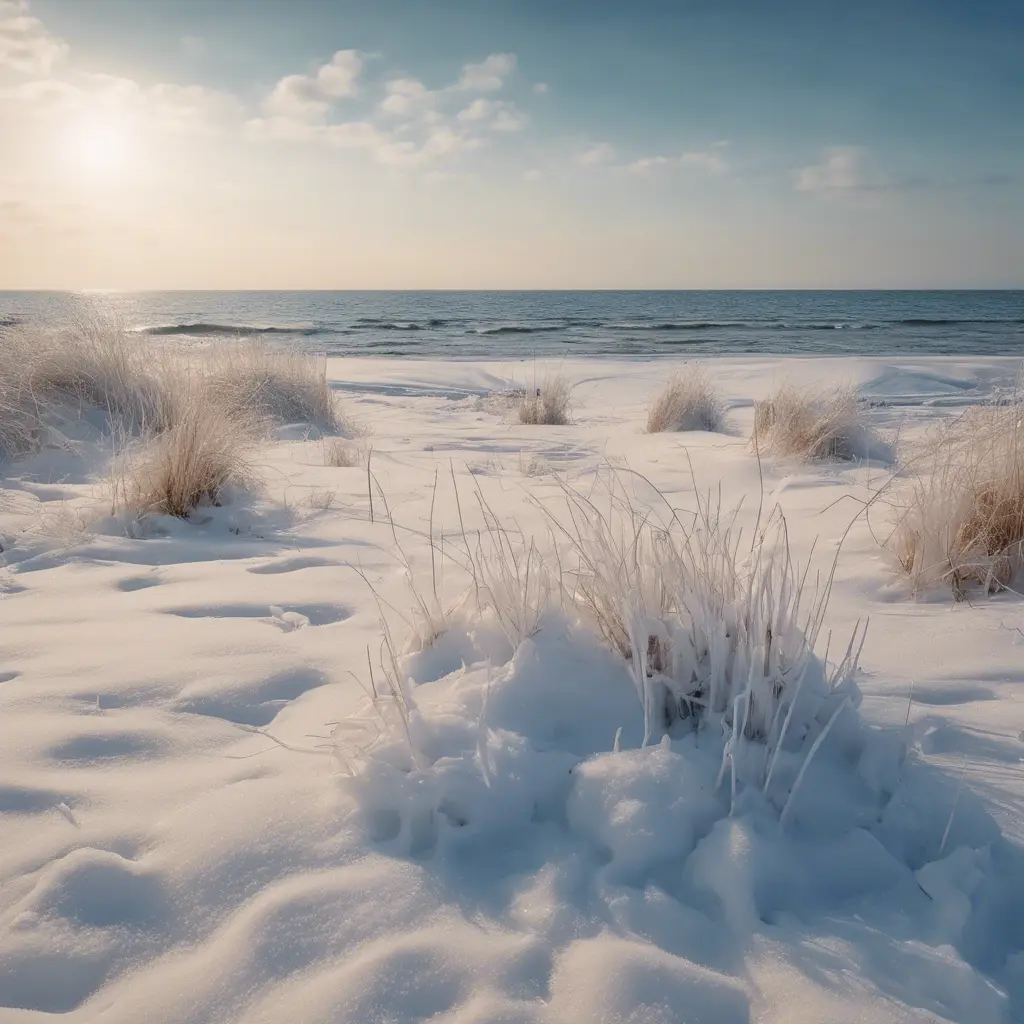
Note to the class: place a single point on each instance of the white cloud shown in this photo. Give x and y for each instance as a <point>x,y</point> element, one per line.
<point>165,107</point>
<point>647,163</point>
<point>498,115</point>
<point>445,141</point>
<point>191,108</point>
<point>341,76</point>
<point>489,75</point>
<point>26,46</point>
<point>478,110</point>
<point>308,97</point>
<point>384,146</point>
<point>296,96</point>
<point>533,174</point>
<point>840,170</point>
<point>541,88</point>
<point>41,95</point>
<point>711,161</point>
<point>274,128</point>
<point>406,97</point>
<point>411,125</point>
<point>599,153</point>
<point>360,135</point>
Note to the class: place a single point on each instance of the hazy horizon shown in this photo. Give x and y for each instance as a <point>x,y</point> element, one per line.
<point>242,291</point>
<point>185,145</point>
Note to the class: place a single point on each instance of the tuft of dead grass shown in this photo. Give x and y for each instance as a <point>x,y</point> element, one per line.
<point>321,499</point>
<point>273,383</point>
<point>90,361</point>
<point>961,520</point>
<point>548,403</point>
<point>712,633</point>
<point>688,402</point>
<point>19,424</point>
<point>341,453</point>
<point>190,464</point>
<point>184,424</point>
<point>794,423</point>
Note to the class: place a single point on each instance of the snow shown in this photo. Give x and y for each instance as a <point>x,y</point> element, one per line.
<point>205,817</point>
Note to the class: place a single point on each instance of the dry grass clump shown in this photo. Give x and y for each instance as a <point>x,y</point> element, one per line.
<point>962,520</point>
<point>321,499</point>
<point>793,423</point>
<point>688,402</point>
<point>273,383</point>
<point>712,632</point>
<point>190,464</point>
<point>186,423</point>
<point>547,403</point>
<point>91,362</point>
<point>19,422</point>
<point>341,453</point>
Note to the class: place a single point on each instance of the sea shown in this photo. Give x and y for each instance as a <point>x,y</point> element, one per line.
<point>524,324</point>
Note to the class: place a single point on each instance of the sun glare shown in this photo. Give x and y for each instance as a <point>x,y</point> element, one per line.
<point>99,147</point>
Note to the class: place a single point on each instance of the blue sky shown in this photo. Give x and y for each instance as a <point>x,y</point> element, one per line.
<point>214,143</point>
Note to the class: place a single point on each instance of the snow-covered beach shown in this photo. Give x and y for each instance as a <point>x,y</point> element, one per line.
<point>202,819</point>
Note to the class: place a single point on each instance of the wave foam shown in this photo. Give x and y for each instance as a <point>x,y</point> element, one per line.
<point>232,330</point>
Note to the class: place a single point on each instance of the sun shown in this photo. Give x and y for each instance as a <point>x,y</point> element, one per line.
<point>99,147</point>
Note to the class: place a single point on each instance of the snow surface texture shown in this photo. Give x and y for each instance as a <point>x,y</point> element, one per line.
<point>205,818</point>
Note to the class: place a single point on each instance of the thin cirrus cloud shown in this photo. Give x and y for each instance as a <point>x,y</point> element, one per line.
<point>848,171</point>
<point>840,170</point>
<point>596,155</point>
<point>711,160</point>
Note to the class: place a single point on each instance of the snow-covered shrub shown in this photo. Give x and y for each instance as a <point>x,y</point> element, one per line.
<point>547,402</point>
<point>710,637</point>
<point>272,382</point>
<point>710,632</point>
<point>961,519</point>
<point>794,423</point>
<point>688,402</point>
<point>191,463</point>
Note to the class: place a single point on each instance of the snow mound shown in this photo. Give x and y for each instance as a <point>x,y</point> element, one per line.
<point>650,885</point>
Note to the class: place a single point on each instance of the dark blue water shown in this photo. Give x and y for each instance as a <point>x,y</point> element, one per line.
<point>503,325</point>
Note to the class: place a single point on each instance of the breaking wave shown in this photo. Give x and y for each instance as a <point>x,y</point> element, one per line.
<point>233,330</point>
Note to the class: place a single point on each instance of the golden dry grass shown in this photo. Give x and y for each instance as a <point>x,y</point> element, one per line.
<point>547,403</point>
<point>687,402</point>
<point>273,383</point>
<point>191,463</point>
<point>960,522</point>
<point>185,421</point>
<point>794,423</point>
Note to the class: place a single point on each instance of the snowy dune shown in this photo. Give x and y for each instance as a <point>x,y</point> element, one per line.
<point>177,843</point>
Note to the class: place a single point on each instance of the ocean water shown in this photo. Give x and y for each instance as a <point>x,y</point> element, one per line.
<point>506,324</point>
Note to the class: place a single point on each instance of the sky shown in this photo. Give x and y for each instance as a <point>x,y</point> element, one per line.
<point>223,144</point>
